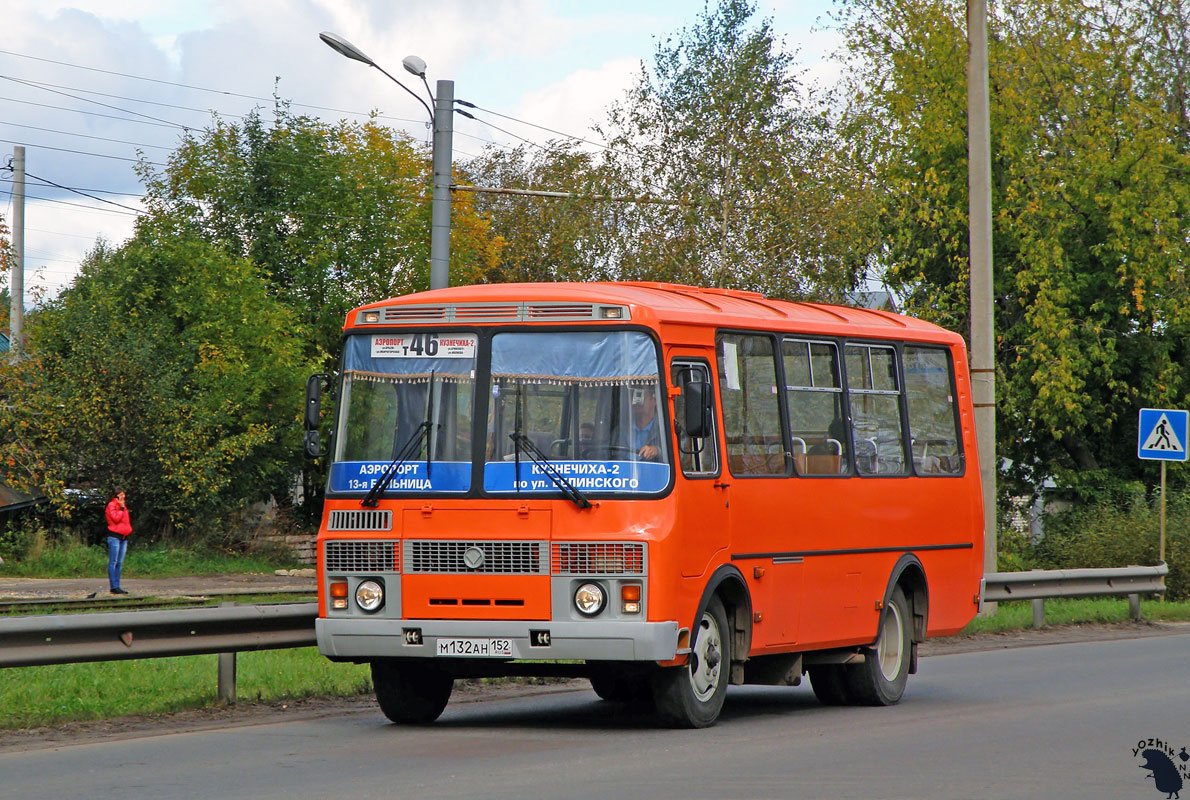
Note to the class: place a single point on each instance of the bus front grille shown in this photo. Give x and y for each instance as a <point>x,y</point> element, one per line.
<point>360,520</point>
<point>476,557</point>
<point>344,556</point>
<point>599,558</point>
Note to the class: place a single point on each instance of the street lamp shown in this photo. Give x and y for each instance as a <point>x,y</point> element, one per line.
<point>442,122</point>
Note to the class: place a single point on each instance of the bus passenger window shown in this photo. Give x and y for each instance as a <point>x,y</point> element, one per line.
<point>814,394</point>
<point>699,455</point>
<point>751,414</point>
<point>875,399</point>
<point>933,430</point>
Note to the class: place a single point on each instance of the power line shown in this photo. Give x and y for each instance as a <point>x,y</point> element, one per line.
<point>84,153</point>
<point>96,102</point>
<point>83,194</point>
<point>87,135</point>
<point>88,113</point>
<point>205,89</point>
<point>534,125</point>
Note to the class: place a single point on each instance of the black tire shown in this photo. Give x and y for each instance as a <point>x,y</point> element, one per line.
<point>880,680</point>
<point>410,693</point>
<point>830,684</point>
<point>691,696</point>
<point>616,688</point>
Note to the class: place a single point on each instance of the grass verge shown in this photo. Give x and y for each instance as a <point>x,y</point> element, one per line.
<point>1096,610</point>
<point>46,696</point>
<point>32,697</point>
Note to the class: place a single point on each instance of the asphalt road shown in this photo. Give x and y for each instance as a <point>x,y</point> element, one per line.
<point>1057,721</point>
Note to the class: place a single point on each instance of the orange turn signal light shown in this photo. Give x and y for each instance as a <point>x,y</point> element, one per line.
<point>339,589</point>
<point>630,593</point>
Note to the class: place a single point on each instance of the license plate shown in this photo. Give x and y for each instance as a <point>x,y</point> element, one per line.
<point>481,648</point>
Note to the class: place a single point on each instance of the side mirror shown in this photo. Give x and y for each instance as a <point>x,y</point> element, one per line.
<point>314,389</point>
<point>314,444</point>
<point>697,395</point>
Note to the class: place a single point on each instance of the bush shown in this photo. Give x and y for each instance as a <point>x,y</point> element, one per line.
<point>1120,536</point>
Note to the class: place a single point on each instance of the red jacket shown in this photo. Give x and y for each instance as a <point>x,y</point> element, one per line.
<point>117,519</point>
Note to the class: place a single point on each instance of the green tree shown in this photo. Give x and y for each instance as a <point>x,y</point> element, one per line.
<point>724,124</point>
<point>549,238</point>
<point>333,215</point>
<point>166,369</point>
<point>720,126</point>
<point>1090,208</point>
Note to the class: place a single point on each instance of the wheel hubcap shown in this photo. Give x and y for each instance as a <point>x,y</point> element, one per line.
<point>889,650</point>
<point>706,659</point>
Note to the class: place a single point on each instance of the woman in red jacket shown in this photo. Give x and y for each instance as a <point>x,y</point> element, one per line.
<point>118,529</point>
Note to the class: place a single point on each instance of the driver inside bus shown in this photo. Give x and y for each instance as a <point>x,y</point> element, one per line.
<point>645,432</point>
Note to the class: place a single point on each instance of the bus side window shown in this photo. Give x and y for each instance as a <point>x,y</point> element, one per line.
<point>698,455</point>
<point>875,400</point>
<point>933,429</point>
<point>814,394</point>
<point>751,411</point>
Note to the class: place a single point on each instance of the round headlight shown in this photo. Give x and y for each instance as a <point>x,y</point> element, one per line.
<point>369,595</point>
<point>589,599</point>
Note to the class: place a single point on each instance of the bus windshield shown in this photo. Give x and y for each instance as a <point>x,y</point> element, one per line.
<point>408,394</point>
<point>586,403</point>
<point>589,400</point>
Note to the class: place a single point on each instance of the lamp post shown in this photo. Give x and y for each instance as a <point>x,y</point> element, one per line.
<point>442,122</point>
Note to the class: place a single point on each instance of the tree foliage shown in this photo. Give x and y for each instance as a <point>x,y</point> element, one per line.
<point>721,127</point>
<point>1090,207</point>
<point>333,215</point>
<point>166,369</point>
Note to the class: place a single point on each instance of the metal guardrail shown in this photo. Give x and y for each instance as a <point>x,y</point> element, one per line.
<point>118,635</point>
<point>229,628</point>
<point>72,638</point>
<point>1039,585</point>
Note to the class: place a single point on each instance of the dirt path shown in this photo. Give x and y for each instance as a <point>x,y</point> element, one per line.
<point>245,714</point>
<point>185,586</point>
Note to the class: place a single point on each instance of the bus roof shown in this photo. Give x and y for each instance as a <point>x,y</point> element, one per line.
<point>648,303</point>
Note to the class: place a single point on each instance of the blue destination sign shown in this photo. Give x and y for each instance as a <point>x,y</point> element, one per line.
<point>360,476</point>
<point>586,476</point>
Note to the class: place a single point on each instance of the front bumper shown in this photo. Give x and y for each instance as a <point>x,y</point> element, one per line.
<point>587,640</point>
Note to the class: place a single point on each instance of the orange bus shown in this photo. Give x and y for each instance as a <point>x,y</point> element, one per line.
<point>662,488</point>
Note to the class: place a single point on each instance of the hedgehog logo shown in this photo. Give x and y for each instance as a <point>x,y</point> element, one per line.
<point>1164,773</point>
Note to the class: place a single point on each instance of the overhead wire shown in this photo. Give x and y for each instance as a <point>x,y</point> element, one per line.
<point>96,102</point>
<point>202,88</point>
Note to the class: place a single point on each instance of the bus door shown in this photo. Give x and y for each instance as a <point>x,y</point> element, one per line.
<point>702,517</point>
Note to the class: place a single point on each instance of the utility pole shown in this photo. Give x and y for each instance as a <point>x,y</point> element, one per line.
<point>979,185</point>
<point>16,281</point>
<point>444,112</point>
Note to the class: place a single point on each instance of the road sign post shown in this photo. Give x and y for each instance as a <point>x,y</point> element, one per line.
<point>1161,436</point>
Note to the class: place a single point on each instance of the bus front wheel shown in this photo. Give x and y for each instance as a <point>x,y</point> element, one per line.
<point>880,680</point>
<point>692,696</point>
<point>410,693</point>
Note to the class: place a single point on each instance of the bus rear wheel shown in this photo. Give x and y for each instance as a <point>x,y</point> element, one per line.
<point>692,696</point>
<point>880,680</point>
<point>410,693</point>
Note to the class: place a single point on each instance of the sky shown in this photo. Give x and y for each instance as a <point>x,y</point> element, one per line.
<point>88,86</point>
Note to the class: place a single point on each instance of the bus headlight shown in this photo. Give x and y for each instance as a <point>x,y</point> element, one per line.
<point>589,599</point>
<point>369,595</point>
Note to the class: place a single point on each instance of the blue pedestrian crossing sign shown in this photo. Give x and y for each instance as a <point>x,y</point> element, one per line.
<point>1162,434</point>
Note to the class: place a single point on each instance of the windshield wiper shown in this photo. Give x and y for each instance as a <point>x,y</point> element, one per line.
<point>521,441</point>
<point>543,462</point>
<point>372,498</point>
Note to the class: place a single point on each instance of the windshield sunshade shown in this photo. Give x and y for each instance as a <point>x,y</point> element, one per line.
<point>407,405</point>
<point>589,402</point>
